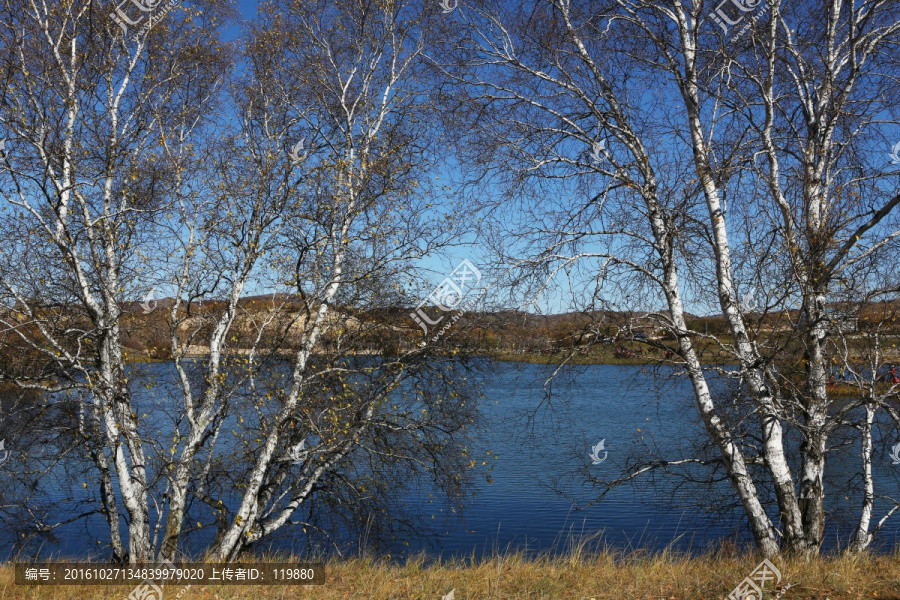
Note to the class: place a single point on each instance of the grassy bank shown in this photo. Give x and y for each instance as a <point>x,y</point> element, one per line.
<point>603,576</point>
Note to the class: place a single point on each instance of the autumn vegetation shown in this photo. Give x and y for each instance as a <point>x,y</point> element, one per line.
<point>583,575</point>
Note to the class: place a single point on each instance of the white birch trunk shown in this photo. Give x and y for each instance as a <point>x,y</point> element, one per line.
<point>863,537</point>
<point>769,416</point>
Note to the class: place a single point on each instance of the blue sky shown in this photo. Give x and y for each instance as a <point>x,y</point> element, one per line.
<point>434,267</point>
<point>439,267</point>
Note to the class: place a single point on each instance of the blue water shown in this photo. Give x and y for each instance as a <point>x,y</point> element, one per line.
<point>543,444</point>
<point>535,492</point>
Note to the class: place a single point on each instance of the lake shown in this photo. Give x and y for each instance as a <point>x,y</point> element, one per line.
<point>524,501</point>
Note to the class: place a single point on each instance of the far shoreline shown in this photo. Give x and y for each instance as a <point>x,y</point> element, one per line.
<point>528,357</point>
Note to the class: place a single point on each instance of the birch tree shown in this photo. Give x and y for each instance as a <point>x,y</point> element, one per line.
<point>347,81</point>
<point>310,183</point>
<point>630,106</point>
<point>86,112</point>
<point>820,94</point>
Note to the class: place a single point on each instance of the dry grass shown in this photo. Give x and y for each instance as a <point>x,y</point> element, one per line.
<point>604,575</point>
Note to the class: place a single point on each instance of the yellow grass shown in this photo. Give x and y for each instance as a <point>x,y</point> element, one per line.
<point>579,576</point>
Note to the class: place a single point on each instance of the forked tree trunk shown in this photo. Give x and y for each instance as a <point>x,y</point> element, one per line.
<point>769,416</point>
